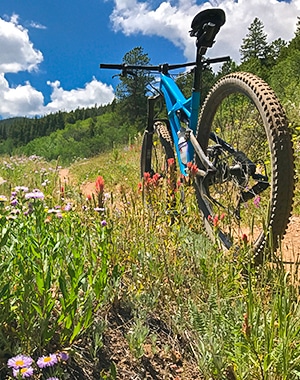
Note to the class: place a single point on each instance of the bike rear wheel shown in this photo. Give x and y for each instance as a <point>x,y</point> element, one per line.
<point>243,129</point>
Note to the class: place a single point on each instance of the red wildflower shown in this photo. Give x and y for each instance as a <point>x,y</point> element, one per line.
<point>171,161</point>
<point>192,168</point>
<point>216,221</point>
<point>147,176</point>
<point>155,178</point>
<point>99,184</point>
<point>245,239</point>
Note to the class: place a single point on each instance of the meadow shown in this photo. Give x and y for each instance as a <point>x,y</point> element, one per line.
<point>98,281</point>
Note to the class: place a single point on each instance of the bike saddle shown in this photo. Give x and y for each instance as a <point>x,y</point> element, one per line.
<point>206,25</point>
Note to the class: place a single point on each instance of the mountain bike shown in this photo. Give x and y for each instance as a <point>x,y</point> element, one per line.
<point>237,143</point>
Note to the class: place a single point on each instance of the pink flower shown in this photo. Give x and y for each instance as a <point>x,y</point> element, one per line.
<point>47,361</point>
<point>256,201</point>
<point>24,372</point>
<point>19,361</point>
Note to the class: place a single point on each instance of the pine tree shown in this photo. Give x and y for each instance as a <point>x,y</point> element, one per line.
<point>132,91</point>
<point>255,43</point>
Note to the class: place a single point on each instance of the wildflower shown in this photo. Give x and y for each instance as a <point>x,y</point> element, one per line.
<point>171,161</point>
<point>68,207</point>
<point>99,209</point>
<point>19,361</point>
<point>89,197</point>
<point>147,177</point>
<point>24,372</point>
<point>216,221</point>
<point>155,179</point>
<point>99,184</point>
<point>24,189</point>
<point>99,189</point>
<point>256,201</point>
<point>104,223</point>
<point>52,378</point>
<point>3,198</point>
<point>245,239</point>
<point>47,361</point>
<point>140,186</point>
<point>36,194</point>
<point>45,183</point>
<point>64,356</point>
<point>193,169</point>
<point>53,211</point>
<point>14,202</point>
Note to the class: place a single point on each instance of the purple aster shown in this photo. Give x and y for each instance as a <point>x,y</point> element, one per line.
<point>34,195</point>
<point>21,188</point>
<point>19,361</point>
<point>68,207</point>
<point>14,202</point>
<point>47,361</point>
<point>256,201</point>
<point>24,372</point>
<point>103,223</point>
<point>64,356</point>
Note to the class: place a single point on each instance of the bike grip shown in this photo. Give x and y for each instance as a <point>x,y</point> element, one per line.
<point>111,66</point>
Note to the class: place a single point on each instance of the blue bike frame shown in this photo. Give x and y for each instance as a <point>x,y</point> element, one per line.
<point>175,101</point>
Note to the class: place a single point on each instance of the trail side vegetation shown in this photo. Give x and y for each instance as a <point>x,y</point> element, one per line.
<point>99,282</point>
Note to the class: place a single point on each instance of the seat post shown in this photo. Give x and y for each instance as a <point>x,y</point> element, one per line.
<point>198,70</point>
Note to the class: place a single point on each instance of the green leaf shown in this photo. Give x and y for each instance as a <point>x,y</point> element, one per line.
<point>76,331</point>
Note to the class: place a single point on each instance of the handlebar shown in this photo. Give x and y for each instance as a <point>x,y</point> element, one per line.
<point>163,68</point>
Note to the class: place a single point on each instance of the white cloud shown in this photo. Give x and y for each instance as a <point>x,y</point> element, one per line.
<point>93,93</point>
<point>18,54</point>
<point>19,101</point>
<point>172,20</point>
<point>25,100</point>
<point>37,25</point>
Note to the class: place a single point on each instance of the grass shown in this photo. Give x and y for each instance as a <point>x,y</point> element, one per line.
<point>66,262</point>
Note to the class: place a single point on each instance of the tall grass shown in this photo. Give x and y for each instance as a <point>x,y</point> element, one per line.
<point>65,261</point>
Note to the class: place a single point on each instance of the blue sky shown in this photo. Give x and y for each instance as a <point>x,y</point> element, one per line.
<point>51,49</point>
